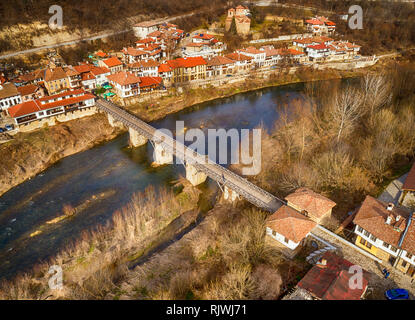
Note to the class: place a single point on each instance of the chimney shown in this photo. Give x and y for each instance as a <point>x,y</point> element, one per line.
<point>388,220</point>
<point>390,206</point>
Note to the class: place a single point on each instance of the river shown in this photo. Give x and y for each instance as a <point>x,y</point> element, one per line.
<point>101,180</point>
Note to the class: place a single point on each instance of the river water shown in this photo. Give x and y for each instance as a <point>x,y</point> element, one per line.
<point>101,180</point>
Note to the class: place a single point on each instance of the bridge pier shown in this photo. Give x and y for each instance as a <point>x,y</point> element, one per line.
<point>230,195</point>
<point>136,139</point>
<point>113,122</point>
<point>195,177</point>
<point>161,156</point>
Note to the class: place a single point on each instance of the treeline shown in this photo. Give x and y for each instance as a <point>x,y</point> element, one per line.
<point>345,138</point>
<point>96,14</point>
<point>387,25</point>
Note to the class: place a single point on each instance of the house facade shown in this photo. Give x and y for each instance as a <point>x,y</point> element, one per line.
<point>187,69</point>
<point>126,84</point>
<point>113,64</point>
<point>386,232</point>
<point>9,96</point>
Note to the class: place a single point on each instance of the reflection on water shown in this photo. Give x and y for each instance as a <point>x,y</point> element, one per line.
<point>102,179</point>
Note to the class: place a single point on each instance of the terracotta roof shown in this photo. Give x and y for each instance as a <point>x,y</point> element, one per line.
<point>112,62</point>
<point>55,74</point>
<point>372,217</point>
<point>99,70</point>
<point>164,67</point>
<point>204,36</point>
<point>144,64</point>
<point>314,22</point>
<point>100,54</point>
<point>28,89</point>
<point>150,81</point>
<point>8,90</point>
<point>409,183</point>
<point>145,40</point>
<point>83,68</point>
<point>156,33</point>
<point>315,204</point>
<point>219,61</point>
<point>62,94</point>
<point>238,56</point>
<point>123,78</point>
<point>331,282</point>
<point>87,76</point>
<point>32,106</point>
<point>318,47</point>
<point>290,223</point>
<point>134,52</point>
<point>251,50</point>
<point>186,62</point>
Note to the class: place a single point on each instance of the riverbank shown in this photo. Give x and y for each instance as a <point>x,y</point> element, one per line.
<point>28,154</point>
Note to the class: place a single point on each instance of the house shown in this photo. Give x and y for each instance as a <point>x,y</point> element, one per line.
<point>148,84</point>
<point>145,68</point>
<point>242,21</point>
<point>386,232</point>
<point>272,56</point>
<point>166,73</point>
<point>408,186</point>
<point>74,77</point>
<point>56,79</point>
<point>9,96</point>
<point>131,55</point>
<point>203,45</point>
<point>219,65</point>
<point>100,55</point>
<point>126,84</point>
<point>187,69</point>
<point>317,52</point>
<point>92,76</point>
<point>242,62</point>
<point>30,92</point>
<point>142,29</point>
<point>50,106</point>
<point>312,204</point>
<point>113,64</point>
<point>258,55</point>
<point>330,279</point>
<point>292,56</point>
<point>320,25</point>
<point>342,50</point>
<point>288,229</point>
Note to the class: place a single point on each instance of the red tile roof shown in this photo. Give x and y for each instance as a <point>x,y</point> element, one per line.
<point>100,54</point>
<point>409,183</point>
<point>318,47</point>
<point>238,56</point>
<point>331,282</point>
<point>112,62</point>
<point>219,61</point>
<point>315,204</point>
<point>123,78</point>
<point>28,89</point>
<point>372,217</point>
<point>186,62</point>
<point>164,67</point>
<point>150,81</point>
<point>32,106</point>
<point>290,223</point>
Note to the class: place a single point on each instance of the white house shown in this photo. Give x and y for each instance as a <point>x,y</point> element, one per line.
<point>142,29</point>
<point>317,52</point>
<point>126,84</point>
<point>145,68</point>
<point>258,55</point>
<point>288,228</point>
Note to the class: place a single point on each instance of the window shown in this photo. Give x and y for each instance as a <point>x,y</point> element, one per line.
<point>408,255</point>
<point>286,240</point>
<point>362,241</point>
<point>386,245</point>
<point>366,233</point>
<point>372,237</point>
<point>360,229</point>
<point>403,264</point>
<point>274,233</point>
<point>368,245</point>
<point>394,249</point>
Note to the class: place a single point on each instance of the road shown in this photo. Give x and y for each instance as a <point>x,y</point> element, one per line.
<point>240,185</point>
<point>94,37</point>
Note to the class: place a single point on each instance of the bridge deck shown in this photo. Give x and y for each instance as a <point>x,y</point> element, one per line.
<point>240,185</point>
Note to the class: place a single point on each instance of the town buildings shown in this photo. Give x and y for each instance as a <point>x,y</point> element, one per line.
<point>113,64</point>
<point>142,29</point>
<point>31,92</point>
<point>187,69</point>
<point>387,232</point>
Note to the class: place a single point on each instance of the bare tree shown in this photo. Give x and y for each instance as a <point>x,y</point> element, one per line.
<point>346,110</point>
<point>377,92</point>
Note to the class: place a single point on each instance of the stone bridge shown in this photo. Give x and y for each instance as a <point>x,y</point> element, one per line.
<point>198,166</point>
